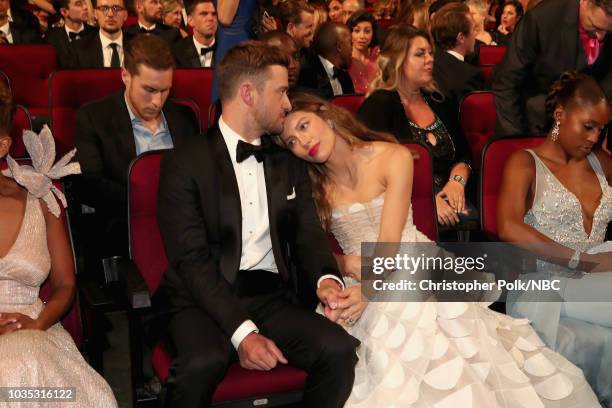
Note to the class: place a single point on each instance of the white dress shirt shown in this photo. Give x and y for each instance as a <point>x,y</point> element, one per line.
<point>6,31</point>
<point>68,31</point>
<point>206,60</point>
<point>147,28</point>
<point>329,69</point>
<point>107,51</point>
<point>456,55</point>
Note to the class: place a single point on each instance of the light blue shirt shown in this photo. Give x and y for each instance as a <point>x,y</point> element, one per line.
<point>145,140</point>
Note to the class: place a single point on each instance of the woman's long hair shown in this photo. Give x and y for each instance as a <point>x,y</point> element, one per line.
<point>392,56</point>
<point>346,126</point>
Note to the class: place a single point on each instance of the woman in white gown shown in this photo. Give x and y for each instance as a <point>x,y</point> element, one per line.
<point>559,195</point>
<point>35,350</point>
<point>414,354</point>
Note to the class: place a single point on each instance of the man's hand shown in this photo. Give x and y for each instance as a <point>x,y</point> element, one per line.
<point>256,352</point>
<point>328,293</point>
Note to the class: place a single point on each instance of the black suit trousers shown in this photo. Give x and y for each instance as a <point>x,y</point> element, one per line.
<point>308,340</point>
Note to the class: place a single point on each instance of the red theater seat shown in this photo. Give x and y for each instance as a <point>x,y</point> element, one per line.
<point>240,387</point>
<point>494,157</point>
<point>71,89</point>
<point>488,57</point>
<point>28,68</point>
<point>195,84</point>
<point>5,80</point>
<point>477,119</point>
<point>21,121</point>
<point>385,23</point>
<point>349,102</point>
<point>423,199</point>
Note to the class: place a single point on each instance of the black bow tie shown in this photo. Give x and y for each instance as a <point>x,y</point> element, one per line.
<point>336,73</point>
<point>205,50</point>
<point>74,36</point>
<point>244,150</point>
<point>145,31</point>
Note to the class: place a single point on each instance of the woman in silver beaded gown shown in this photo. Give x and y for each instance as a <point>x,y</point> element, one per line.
<point>35,350</point>
<point>559,195</point>
<point>414,354</point>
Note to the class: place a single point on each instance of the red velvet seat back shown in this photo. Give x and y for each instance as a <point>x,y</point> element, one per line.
<point>71,89</point>
<point>349,102</point>
<point>491,54</point>
<point>423,202</point>
<point>494,157</point>
<point>5,80</point>
<point>21,121</point>
<point>130,21</point>
<point>72,320</point>
<point>195,84</point>
<point>385,23</point>
<point>477,119</point>
<point>146,248</point>
<point>28,68</point>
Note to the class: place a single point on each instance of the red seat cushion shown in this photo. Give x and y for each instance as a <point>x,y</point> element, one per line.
<point>491,54</point>
<point>477,119</point>
<point>349,102</point>
<point>28,68</point>
<point>423,204</point>
<point>240,383</point>
<point>194,84</point>
<point>21,122</point>
<point>493,161</point>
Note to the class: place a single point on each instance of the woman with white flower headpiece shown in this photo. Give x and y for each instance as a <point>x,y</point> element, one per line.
<point>35,350</point>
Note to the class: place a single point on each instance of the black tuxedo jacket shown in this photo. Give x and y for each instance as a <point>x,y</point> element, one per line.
<point>58,38</point>
<point>200,220</point>
<point>24,35</point>
<point>105,147</point>
<point>314,77</point>
<point>456,78</point>
<point>186,54</point>
<point>88,51</point>
<point>170,34</point>
<point>544,45</point>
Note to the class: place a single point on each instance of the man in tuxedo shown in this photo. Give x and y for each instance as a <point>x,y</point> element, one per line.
<point>286,44</point>
<point>150,22</point>
<point>453,30</point>
<point>75,26</point>
<point>198,50</point>
<point>104,50</point>
<point>297,19</point>
<point>13,32</point>
<point>553,37</point>
<point>325,71</point>
<point>111,132</point>
<point>235,211</point>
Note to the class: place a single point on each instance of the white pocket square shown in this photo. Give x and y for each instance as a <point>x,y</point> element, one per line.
<point>292,195</point>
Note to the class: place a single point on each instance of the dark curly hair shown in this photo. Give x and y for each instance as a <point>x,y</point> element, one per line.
<point>361,16</point>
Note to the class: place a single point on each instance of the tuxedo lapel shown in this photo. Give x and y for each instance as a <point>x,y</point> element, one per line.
<point>173,123</point>
<point>193,55</point>
<point>230,213</point>
<point>572,42</point>
<point>97,54</point>
<point>323,82</point>
<point>124,133</point>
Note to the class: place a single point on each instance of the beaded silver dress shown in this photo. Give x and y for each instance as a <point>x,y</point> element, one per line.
<point>448,355</point>
<point>36,358</point>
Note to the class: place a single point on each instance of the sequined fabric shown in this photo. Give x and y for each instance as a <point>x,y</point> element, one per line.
<point>448,355</point>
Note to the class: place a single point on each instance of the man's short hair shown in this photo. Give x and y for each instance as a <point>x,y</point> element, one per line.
<point>61,4</point>
<point>326,40</point>
<point>247,60</point>
<point>274,37</point>
<point>290,11</point>
<point>149,50</point>
<point>605,5</point>
<point>191,5</point>
<point>448,22</point>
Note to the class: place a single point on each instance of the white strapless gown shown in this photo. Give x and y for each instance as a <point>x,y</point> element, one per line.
<point>455,355</point>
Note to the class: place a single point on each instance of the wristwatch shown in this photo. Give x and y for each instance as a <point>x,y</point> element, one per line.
<point>458,179</point>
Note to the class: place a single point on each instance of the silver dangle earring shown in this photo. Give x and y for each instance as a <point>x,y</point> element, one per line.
<point>330,123</point>
<point>554,133</point>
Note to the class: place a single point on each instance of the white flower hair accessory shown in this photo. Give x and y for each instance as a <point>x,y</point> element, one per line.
<point>38,178</point>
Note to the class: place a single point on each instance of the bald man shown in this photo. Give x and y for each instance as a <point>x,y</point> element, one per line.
<point>287,44</point>
<point>349,7</point>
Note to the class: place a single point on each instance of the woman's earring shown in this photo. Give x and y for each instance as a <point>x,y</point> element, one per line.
<point>554,133</point>
<point>330,123</point>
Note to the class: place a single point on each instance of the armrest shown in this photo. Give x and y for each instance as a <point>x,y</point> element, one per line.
<point>134,286</point>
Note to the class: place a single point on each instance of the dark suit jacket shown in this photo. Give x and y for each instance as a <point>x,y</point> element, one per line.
<point>88,51</point>
<point>200,220</point>
<point>24,35</point>
<point>456,78</point>
<point>58,38</point>
<point>544,45</point>
<point>105,147</point>
<point>383,111</point>
<point>314,77</point>
<point>186,54</point>
<point>169,34</point>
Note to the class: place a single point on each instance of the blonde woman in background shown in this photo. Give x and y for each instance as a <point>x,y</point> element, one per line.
<point>172,15</point>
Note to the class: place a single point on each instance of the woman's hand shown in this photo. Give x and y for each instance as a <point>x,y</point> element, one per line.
<point>502,29</point>
<point>352,266</point>
<point>268,24</point>
<point>10,322</point>
<point>455,194</point>
<point>351,304</point>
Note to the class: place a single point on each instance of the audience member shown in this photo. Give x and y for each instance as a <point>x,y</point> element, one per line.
<point>419,17</point>
<point>405,102</point>
<point>15,33</point>
<point>324,72</point>
<point>334,10</point>
<point>349,7</point>
<point>172,15</point>
<point>287,44</point>
<point>111,132</point>
<point>150,22</point>
<point>230,277</point>
<point>478,9</point>
<point>365,50</point>
<point>512,13</point>
<point>454,34</point>
<point>106,48</point>
<point>297,19</point>
<point>75,27</point>
<point>554,37</point>
<point>319,17</point>
<point>198,50</point>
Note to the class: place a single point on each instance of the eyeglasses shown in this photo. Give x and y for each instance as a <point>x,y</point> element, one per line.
<point>106,9</point>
